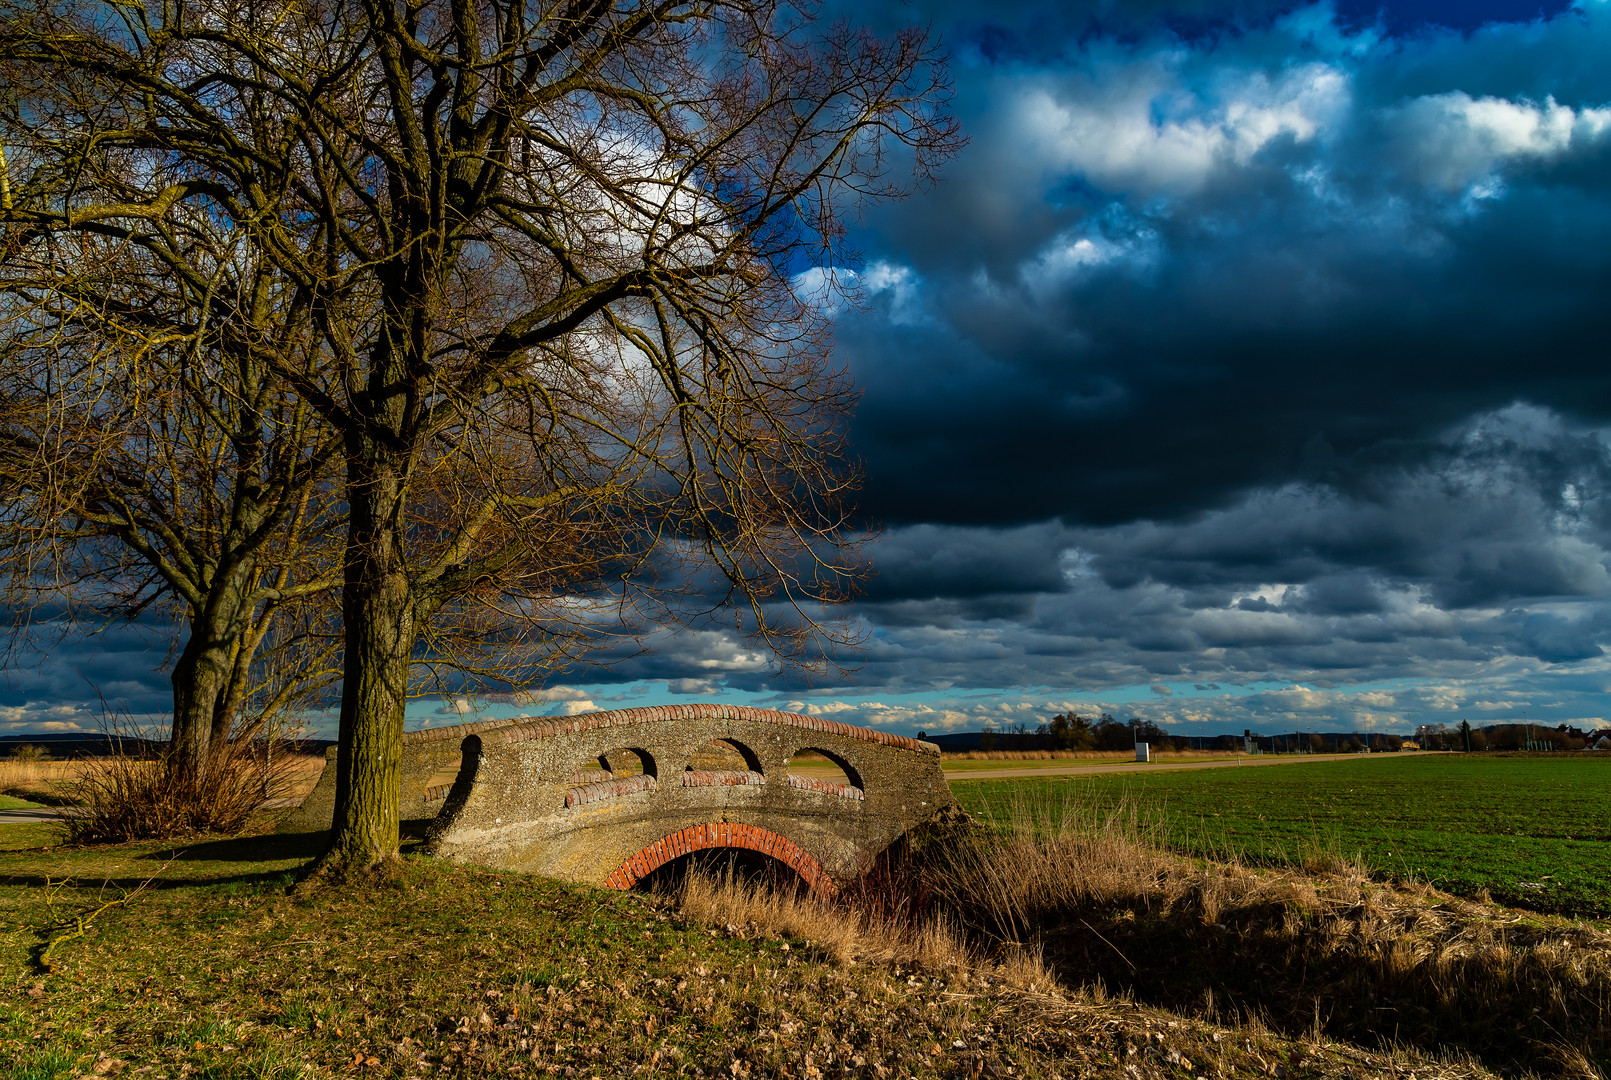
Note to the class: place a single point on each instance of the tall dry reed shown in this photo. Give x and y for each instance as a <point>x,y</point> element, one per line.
<point>1093,897</point>
<point>846,930</point>
<point>39,781</point>
<point>1103,897</point>
<point>14,771</point>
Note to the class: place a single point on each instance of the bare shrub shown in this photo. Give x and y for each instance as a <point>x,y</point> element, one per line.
<point>137,793</point>
<point>28,753</point>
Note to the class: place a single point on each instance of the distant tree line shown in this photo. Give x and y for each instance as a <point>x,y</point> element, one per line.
<point>1070,731</point>
<point>1506,737</point>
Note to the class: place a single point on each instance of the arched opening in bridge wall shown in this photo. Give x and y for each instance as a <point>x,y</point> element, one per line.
<point>822,771</point>
<point>627,761</point>
<point>625,770</point>
<point>716,868</point>
<point>723,763</point>
<point>720,837</point>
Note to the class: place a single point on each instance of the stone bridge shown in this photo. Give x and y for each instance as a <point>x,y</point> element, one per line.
<point>608,797</point>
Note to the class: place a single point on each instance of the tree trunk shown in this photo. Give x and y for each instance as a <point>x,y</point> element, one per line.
<point>202,705</point>
<point>199,680</point>
<point>379,636</point>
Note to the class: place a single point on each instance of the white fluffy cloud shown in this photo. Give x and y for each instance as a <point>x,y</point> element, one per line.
<point>693,686</point>
<point>1453,140</point>
<point>1147,123</point>
<point>46,717</point>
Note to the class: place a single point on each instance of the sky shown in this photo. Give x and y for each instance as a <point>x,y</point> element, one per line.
<point>1248,369</point>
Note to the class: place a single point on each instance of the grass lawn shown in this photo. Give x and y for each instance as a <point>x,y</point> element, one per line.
<point>213,971</point>
<point>960,766</point>
<point>1533,831</point>
<point>9,802</point>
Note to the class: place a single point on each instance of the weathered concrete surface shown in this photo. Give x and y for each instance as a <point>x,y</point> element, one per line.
<point>520,803</point>
<point>425,754</point>
<point>672,780</point>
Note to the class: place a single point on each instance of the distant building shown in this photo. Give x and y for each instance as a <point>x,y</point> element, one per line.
<point>1409,744</point>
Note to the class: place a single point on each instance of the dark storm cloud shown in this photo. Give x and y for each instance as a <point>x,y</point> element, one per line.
<point>1491,551</point>
<point>1170,273</point>
<point>1483,563</point>
<point>70,684</point>
<point>926,561</point>
<point>1249,369</point>
<point>1011,29</point>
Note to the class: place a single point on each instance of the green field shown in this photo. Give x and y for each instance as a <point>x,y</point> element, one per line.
<point>1534,831</point>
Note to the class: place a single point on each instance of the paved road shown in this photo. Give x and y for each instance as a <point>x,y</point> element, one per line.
<point>1076,767</point>
<point>52,813</point>
<point>29,817</point>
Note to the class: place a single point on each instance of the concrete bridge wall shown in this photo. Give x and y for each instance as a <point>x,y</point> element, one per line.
<point>521,803</point>
<point>426,754</point>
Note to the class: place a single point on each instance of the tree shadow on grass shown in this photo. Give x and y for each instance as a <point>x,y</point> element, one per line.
<point>232,856</point>
<point>264,847</point>
<point>274,846</point>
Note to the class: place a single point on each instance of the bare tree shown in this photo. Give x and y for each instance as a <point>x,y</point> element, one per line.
<point>548,247</point>
<point>150,462</point>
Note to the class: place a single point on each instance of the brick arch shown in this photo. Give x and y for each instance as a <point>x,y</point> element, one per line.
<point>725,834</point>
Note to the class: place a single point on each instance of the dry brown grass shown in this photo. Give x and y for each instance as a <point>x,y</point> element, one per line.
<point>848,933</point>
<point>302,773</point>
<point>38,781</point>
<point>1091,903</point>
<point>1324,944</point>
<point>13,771</point>
<point>1086,1030</point>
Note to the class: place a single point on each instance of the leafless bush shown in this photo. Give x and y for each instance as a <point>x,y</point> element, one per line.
<point>148,791</point>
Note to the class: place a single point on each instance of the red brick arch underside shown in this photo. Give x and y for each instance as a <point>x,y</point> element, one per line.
<point>725,834</point>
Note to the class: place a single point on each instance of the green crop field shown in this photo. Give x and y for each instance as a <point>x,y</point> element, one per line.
<point>1534,831</point>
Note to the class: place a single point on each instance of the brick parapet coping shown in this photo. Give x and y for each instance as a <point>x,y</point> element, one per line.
<point>721,778</point>
<point>724,834</point>
<point>509,731</point>
<point>609,789</point>
<point>825,787</point>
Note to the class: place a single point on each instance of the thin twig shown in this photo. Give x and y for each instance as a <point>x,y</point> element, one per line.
<point>1106,942</point>
<point>80,924</point>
